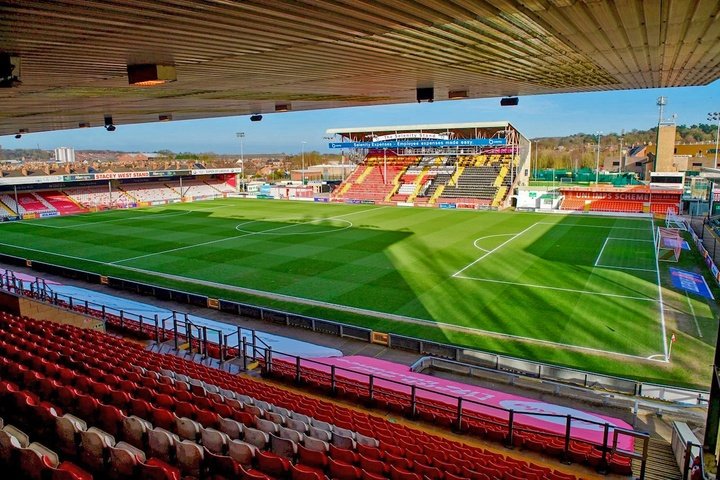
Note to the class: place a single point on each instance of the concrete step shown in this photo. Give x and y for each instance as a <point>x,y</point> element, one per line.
<point>661,461</point>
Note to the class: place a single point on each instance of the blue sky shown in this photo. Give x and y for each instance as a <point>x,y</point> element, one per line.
<point>535,116</point>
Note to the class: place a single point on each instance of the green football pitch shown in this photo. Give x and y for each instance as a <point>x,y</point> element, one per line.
<point>587,284</point>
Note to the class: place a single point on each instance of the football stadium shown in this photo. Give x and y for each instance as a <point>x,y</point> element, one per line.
<point>439,310</point>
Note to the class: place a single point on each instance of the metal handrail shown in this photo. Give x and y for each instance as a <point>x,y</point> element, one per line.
<point>461,414</point>
<point>337,380</point>
<point>688,466</point>
<point>637,388</point>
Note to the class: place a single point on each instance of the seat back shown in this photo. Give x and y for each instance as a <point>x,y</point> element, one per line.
<point>315,444</point>
<point>161,444</point>
<point>342,441</point>
<point>242,452</point>
<point>189,458</point>
<point>124,459</point>
<point>94,445</point>
<point>214,440</point>
<point>266,426</point>
<point>35,460</point>
<point>187,429</point>
<point>291,434</point>
<point>255,437</point>
<point>232,428</point>
<point>135,431</point>
<point>283,447</point>
<point>67,430</point>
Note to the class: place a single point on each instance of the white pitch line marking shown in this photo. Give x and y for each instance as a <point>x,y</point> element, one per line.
<point>489,236</point>
<point>660,298</point>
<point>514,236</point>
<point>626,268</point>
<point>90,224</point>
<point>573,225</point>
<point>306,301</point>
<point>692,310</point>
<point>547,287</point>
<point>629,239</point>
<point>116,262</point>
<point>601,252</point>
<point>37,223</point>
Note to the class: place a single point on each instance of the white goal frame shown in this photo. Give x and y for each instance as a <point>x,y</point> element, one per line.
<point>668,244</point>
<point>675,221</point>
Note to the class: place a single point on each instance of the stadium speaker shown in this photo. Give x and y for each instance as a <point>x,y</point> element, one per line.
<point>256,117</point>
<point>509,101</point>
<point>425,94</point>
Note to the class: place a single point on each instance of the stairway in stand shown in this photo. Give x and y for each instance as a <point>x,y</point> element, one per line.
<point>661,461</point>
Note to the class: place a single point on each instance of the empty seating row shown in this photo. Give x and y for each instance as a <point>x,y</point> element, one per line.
<point>61,202</point>
<point>493,428</point>
<point>19,458</point>
<point>572,204</point>
<point>94,197</point>
<point>26,203</point>
<point>94,349</point>
<point>199,188</point>
<point>151,192</point>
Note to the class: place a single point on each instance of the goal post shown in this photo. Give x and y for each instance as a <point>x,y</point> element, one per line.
<point>668,244</point>
<point>673,220</point>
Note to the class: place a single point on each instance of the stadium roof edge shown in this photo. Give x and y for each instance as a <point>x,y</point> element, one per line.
<point>436,126</point>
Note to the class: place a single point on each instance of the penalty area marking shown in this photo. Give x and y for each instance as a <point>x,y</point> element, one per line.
<point>573,225</point>
<point>489,236</point>
<point>561,289</point>
<point>582,292</point>
<point>601,265</point>
<point>625,268</point>
<point>488,252</point>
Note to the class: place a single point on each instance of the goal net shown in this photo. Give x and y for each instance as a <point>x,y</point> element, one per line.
<point>668,244</point>
<point>673,220</point>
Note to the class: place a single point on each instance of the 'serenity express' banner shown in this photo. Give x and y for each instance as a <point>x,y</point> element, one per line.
<point>471,142</point>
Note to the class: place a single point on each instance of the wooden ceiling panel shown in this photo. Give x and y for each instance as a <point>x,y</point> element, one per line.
<point>239,57</point>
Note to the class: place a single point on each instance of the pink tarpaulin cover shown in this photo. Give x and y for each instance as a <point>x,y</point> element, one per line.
<point>382,369</point>
<point>26,278</point>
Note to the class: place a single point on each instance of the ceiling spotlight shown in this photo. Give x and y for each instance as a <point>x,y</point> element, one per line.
<point>150,74</point>
<point>256,117</point>
<point>9,71</point>
<point>509,101</point>
<point>83,125</point>
<point>165,118</point>
<point>282,107</point>
<point>109,123</point>
<point>457,94</point>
